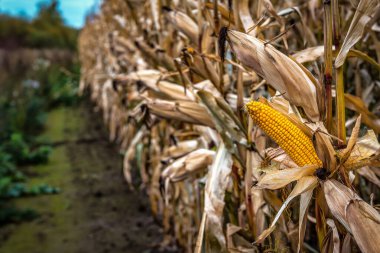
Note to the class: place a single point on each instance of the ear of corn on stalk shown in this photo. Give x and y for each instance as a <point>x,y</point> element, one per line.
<point>174,89</point>
<point>287,135</point>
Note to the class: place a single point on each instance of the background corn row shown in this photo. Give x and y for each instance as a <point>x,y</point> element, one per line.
<point>153,69</point>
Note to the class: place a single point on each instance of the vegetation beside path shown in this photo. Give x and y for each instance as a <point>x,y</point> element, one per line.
<point>94,211</point>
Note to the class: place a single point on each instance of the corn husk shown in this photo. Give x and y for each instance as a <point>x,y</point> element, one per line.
<point>279,70</point>
<point>359,218</point>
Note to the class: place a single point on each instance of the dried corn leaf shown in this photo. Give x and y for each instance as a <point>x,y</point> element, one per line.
<point>270,8</point>
<point>280,158</point>
<point>175,91</point>
<point>223,117</point>
<point>130,155</point>
<point>359,218</point>
<point>346,245</point>
<point>148,76</point>
<point>324,147</point>
<point>370,175</point>
<point>309,54</point>
<point>305,184</point>
<point>223,10</point>
<point>363,56</point>
<point>186,111</point>
<point>361,154</point>
<point>193,162</point>
<point>203,67</point>
<point>335,236</point>
<point>236,243</point>
<point>209,87</point>
<point>313,53</point>
<point>365,10</point>
<point>183,23</point>
<point>217,182</point>
<point>304,206</point>
<point>279,70</point>
<point>246,18</point>
<point>352,141</point>
<point>181,149</point>
<point>279,178</point>
<point>155,6</point>
<point>356,104</point>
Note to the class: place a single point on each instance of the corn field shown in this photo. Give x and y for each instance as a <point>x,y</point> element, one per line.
<point>253,125</point>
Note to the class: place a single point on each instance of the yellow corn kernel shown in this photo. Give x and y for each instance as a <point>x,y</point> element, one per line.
<point>287,135</point>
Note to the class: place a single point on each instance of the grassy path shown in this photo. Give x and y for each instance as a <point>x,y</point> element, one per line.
<point>94,211</point>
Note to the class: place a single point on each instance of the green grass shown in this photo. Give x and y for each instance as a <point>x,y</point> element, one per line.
<point>62,124</point>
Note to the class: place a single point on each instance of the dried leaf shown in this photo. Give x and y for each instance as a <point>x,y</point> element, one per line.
<point>308,54</point>
<point>279,70</point>
<point>352,141</point>
<point>155,6</point>
<point>193,162</point>
<point>222,9</point>
<point>304,206</point>
<point>346,245</point>
<point>180,110</point>
<point>217,182</point>
<point>359,218</point>
<point>184,23</point>
<point>335,236</point>
<point>280,157</point>
<point>181,148</point>
<point>130,154</point>
<point>305,184</point>
<point>356,104</point>
<point>175,91</point>
<point>236,243</point>
<point>223,117</point>
<point>280,178</point>
<point>370,175</point>
<point>245,17</point>
<point>363,13</point>
<point>323,146</point>
<point>365,148</point>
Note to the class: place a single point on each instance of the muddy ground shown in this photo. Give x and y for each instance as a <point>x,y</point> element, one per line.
<point>95,211</point>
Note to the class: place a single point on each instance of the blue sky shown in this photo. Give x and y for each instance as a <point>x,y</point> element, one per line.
<point>73,11</point>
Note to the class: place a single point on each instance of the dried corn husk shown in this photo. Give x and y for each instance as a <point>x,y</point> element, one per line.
<point>279,70</point>
<point>359,218</point>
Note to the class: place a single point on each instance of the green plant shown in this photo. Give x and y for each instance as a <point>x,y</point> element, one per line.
<point>59,85</point>
<point>12,185</point>
<point>30,86</point>
<point>21,152</point>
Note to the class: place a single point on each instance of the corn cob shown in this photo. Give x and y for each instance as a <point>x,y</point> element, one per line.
<point>287,135</point>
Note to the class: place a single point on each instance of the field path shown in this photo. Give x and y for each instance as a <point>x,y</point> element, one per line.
<point>95,211</point>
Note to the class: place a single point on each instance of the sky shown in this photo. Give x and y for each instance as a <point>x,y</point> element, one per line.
<point>73,11</point>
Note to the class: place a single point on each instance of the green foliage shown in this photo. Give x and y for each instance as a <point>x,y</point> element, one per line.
<point>47,30</point>
<point>23,108</point>
<point>59,85</point>
<point>12,182</point>
<point>22,113</point>
<point>21,152</point>
<point>13,152</point>
<point>23,104</point>
<point>26,95</point>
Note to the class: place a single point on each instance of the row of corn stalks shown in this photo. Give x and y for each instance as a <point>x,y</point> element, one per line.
<point>253,125</point>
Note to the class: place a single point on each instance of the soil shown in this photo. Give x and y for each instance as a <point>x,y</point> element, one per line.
<point>95,210</point>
